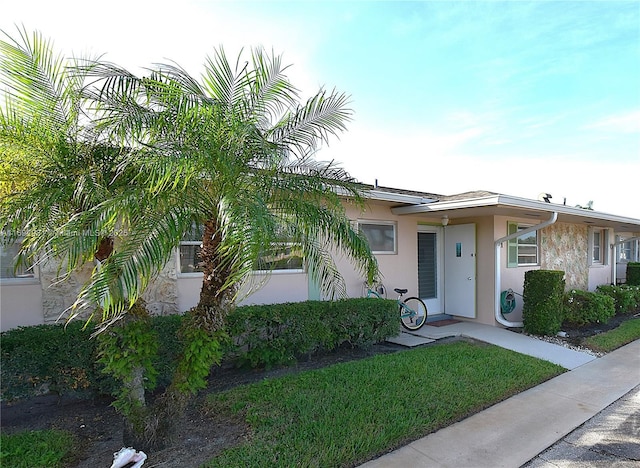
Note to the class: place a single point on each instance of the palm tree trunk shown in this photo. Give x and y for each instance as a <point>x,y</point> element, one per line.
<point>201,331</point>
<point>216,272</point>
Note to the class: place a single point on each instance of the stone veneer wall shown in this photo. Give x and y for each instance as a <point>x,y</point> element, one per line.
<point>57,295</point>
<point>161,295</point>
<point>566,247</point>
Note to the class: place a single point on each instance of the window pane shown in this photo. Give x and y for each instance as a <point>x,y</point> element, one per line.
<point>527,260</point>
<point>282,257</point>
<point>190,259</point>
<point>381,237</point>
<point>195,234</point>
<point>7,262</point>
<point>528,239</point>
<point>528,247</point>
<point>596,245</point>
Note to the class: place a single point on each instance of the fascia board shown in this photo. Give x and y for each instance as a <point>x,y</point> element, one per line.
<point>514,202</point>
<point>397,197</point>
<point>391,197</point>
<point>447,205</point>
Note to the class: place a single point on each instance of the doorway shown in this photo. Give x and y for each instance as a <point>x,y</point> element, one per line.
<point>430,268</point>
<point>460,270</point>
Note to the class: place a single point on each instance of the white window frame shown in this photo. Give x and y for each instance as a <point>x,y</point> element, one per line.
<point>597,249</point>
<point>189,274</point>
<point>515,243</point>
<point>393,224</point>
<point>625,246</point>
<point>281,271</point>
<point>22,277</point>
<point>601,236</point>
<point>199,274</point>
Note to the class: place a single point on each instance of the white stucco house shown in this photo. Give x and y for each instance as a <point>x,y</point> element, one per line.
<point>457,253</point>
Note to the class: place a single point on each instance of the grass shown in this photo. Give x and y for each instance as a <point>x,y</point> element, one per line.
<point>608,341</point>
<point>35,449</point>
<point>348,413</point>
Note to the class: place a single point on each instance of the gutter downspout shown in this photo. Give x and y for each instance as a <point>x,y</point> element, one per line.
<point>614,263</point>
<point>497,244</point>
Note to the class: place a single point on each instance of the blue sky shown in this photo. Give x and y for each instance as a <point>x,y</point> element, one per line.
<point>515,97</point>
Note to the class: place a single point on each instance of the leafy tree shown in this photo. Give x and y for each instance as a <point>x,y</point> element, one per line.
<point>54,165</point>
<point>152,158</point>
<point>234,155</point>
<point>56,173</point>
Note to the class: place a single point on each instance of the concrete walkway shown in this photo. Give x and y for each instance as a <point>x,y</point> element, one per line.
<point>565,357</point>
<point>611,439</point>
<point>513,432</point>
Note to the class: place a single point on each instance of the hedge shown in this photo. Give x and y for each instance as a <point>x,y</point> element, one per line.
<point>633,273</point>
<point>54,358</point>
<point>542,301</point>
<point>265,335</point>
<point>626,298</point>
<point>584,307</point>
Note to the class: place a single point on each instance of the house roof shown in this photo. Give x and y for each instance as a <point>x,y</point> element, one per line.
<point>484,203</point>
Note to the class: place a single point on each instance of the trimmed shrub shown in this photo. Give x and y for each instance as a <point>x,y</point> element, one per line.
<point>626,298</point>
<point>48,358</point>
<point>542,301</point>
<point>55,358</point>
<point>633,273</point>
<point>58,359</point>
<point>266,335</point>
<point>584,307</point>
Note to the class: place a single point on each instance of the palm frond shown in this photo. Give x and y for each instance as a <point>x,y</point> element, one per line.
<point>322,116</point>
<point>225,84</point>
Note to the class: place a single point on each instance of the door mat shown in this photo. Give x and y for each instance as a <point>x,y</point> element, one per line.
<point>442,323</point>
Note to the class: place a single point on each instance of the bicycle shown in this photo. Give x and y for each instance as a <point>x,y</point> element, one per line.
<point>413,311</point>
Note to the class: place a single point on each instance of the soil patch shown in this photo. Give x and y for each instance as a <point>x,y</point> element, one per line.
<point>576,335</point>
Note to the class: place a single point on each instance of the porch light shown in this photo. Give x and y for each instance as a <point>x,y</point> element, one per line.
<point>445,220</point>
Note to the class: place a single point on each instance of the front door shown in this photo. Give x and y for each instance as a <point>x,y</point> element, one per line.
<point>460,270</point>
<point>429,268</point>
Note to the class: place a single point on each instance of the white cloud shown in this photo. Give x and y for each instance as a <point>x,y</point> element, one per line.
<point>626,122</point>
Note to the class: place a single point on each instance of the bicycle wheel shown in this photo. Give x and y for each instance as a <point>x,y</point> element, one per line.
<point>413,313</point>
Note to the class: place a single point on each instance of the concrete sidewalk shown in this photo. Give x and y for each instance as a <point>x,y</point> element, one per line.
<point>518,342</point>
<point>611,439</point>
<point>512,432</point>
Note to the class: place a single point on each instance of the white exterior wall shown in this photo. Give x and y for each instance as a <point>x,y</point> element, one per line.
<point>20,304</point>
<point>511,278</point>
<point>399,270</point>
<point>562,246</point>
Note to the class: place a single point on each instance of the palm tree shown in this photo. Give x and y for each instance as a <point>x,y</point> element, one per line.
<point>232,154</point>
<point>55,167</point>
<point>151,159</point>
<point>59,175</point>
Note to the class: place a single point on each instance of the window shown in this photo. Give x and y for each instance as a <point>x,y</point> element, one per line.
<point>627,251</point>
<point>189,250</point>
<point>381,236</point>
<point>523,250</point>
<point>8,270</point>
<point>282,256</point>
<point>597,246</point>
<point>598,239</point>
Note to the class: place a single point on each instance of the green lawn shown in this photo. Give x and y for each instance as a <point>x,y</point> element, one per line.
<point>348,413</point>
<point>626,333</point>
<point>35,449</point>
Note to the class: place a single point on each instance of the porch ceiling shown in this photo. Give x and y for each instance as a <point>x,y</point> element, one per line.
<point>502,205</point>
